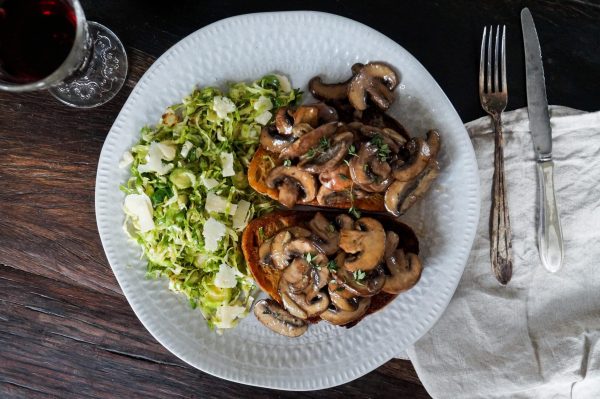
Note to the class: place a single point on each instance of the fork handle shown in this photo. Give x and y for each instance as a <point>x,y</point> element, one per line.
<point>500,232</point>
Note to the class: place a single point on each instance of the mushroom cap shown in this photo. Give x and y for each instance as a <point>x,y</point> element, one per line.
<point>368,171</point>
<point>371,285</point>
<point>331,157</point>
<point>336,179</point>
<point>306,114</point>
<point>377,80</point>
<point>328,237</point>
<point>401,195</point>
<point>277,319</point>
<point>420,153</point>
<point>340,297</point>
<point>328,92</point>
<point>367,240</point>
<point>405,271</point>
<point>273,141</point>
<point>289,177</point>
<point>284,121</point>
<point>341,317</point>
<point>307,141</point>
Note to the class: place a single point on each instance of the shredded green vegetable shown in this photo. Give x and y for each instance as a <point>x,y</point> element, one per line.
<point>188,198</point>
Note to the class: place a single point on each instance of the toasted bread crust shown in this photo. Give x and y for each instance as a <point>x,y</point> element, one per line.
<point>265,227</point>
<point>263,161</point>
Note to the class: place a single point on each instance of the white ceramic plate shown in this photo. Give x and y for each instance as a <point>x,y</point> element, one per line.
<point>300,45</point>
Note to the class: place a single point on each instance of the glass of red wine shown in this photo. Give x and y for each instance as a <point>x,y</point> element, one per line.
<point>48,44</point>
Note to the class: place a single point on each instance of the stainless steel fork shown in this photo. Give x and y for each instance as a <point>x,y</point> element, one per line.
<point>494,98</point>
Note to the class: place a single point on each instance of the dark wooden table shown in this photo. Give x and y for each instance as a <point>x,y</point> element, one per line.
<point>65,328</point>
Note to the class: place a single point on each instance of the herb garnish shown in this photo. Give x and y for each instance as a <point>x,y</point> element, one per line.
<point>287,162</point>
<point>354,212</point>
<point>352,150</point>
<point>359,275</point>
<point>383,150</point>
<point>261,233</point>
<point>332,265</point>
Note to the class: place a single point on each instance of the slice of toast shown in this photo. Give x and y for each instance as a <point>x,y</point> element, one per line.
<point>263,161</point>
<point>265,227</point>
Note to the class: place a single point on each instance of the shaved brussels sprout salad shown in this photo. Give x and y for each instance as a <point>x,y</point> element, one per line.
<point>188,200</point>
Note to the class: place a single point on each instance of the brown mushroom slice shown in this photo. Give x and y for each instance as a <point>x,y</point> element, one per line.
<point>278,256</point>
<point>297,275</point>
<point>312,308</point>
<point>329,197</point>
<point>284,121</point>
<point>331,157</point>
<point>367,170</point>
<point>299,232</point>
<point>366,242</point>
<point>277,319</point>
<point>326,113</point>
<point>377,118</point>
<point>344,222</point>
<point>336,179</point>
<point>421,152</point>
<point>272,140</point>
<point>319,276</point>
<point>294,185</point>
<point>376,80</point>
<point>370,285</point>
<point>405,271</point>
<point>264,252</point>
<point>393,139</point>
<point>328,236</point>
<point>309,140</point>
<point>339,299</point>
<point>328,92</point>
<point>292,307</point>
<point>306,114</point>
<point>391,243</point>
<point>301,129</point>
<point>340,317</point>
<point>401,195</point>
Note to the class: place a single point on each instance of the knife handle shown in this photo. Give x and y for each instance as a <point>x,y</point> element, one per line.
<point>500,231</point>
<point>550,240</point>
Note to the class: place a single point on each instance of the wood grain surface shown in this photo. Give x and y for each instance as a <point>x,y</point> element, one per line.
<point>65,328</point>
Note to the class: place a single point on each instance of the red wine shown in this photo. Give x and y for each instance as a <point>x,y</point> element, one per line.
<point>35,38</point>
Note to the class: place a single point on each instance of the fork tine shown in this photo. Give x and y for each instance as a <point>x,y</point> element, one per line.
<point>482,62</point>
<point>497,59</point>
<point>504,85</point>
<point>489,62</point>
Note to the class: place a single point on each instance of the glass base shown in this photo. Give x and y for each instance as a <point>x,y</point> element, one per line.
<point>103,76</point>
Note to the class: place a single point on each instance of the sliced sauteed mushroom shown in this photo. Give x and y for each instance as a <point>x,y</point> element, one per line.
<point>366,242</point>
<point>401,195</point>
<point>391,138</point>
<point>336,179</point>
<point>420,152</point>
<point>300,129</point>
<point>326,196</point>
<point>284,247</point>
<point>296,275</point>
<point>284,121</point>
<point>308,141</point>
<point>340,317</point>
<point>328,92</point>
<point>306,114</point>
<point>361,283</point>
<point>272,315</point>
<point>329,153</point>
<point>340,297</point>
<point>376,80</point>
<point>344,221</point>
<point>264,252</point>
<point>328,237</point>
<point>369,170</point>
<point>300,304</point>
<point>405,270</point>
<point>273,141</point>
<point>294,185</point>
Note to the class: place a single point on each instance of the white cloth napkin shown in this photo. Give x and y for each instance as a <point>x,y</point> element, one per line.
<point>538,337</point>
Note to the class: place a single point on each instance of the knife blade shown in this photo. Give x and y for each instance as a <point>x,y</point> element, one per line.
<point>550,241</point>
<point>537,102</point>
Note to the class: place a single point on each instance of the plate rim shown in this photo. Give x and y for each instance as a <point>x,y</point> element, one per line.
<point>383,356</point>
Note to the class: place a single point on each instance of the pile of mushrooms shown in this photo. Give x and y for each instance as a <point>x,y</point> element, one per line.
<point>330,270</point>
<point>328,156</point>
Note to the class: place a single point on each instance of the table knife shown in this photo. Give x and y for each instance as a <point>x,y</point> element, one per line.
<point>550,241</point>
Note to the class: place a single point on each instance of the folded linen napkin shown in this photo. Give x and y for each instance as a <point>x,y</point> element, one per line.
<point>538,337</point>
